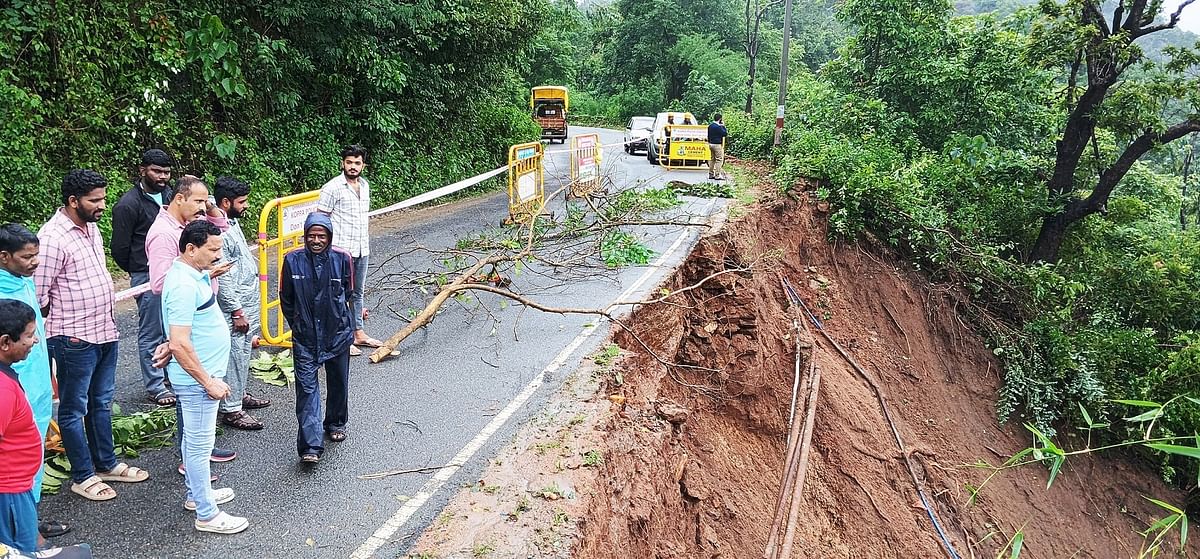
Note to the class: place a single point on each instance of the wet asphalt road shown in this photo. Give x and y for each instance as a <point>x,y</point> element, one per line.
<point>413,411</point>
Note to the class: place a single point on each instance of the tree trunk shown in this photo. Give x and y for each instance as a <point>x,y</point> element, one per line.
<point>1050,238</point>
<point>750,82</point>
<point>1187,168</point>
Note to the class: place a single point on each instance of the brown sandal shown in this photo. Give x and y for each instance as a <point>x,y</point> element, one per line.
<point>241,420</point>
<point>250,402</point>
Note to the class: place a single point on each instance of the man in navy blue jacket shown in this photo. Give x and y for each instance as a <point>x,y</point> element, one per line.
<point>313,288</point>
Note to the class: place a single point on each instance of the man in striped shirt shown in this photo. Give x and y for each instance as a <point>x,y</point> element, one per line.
<point>75,292</point>
<point>346,199</point>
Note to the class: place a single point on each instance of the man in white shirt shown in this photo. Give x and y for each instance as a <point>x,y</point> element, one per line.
<point>346,198</point>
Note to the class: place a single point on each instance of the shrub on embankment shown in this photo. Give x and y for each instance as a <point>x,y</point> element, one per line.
<point>265,91</point>
<point>947,163</point>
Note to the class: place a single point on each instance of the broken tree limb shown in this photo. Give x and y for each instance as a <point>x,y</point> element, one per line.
<point>789,476</point>
<point>461,284</point>
<point>810,417</point>
<point>389,473</point>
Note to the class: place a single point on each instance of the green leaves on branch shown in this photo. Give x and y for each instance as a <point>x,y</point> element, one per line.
<point>274,369</point>
<point>212,47</point>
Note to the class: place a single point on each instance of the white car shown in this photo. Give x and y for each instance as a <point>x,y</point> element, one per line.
<point>658,135</point>
<point>636,131</point>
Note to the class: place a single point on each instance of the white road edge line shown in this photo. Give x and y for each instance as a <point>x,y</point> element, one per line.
<point>381,536</point>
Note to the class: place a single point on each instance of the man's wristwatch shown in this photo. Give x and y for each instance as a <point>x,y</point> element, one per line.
<point>237,314</point>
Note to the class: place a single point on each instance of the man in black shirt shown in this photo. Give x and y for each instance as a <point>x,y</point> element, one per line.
<point>716,148</point>
<point>132,217</point>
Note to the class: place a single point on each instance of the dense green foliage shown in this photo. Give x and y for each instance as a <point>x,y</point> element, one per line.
<point>267,91</point>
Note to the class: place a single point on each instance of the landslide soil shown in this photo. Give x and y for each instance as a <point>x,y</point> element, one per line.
<point>692,456</point>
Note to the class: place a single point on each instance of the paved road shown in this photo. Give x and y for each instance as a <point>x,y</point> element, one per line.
<point>454,380</point>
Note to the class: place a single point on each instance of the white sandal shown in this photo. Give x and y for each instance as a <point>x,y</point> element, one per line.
<point>223,523</point>
<point>220,497</point>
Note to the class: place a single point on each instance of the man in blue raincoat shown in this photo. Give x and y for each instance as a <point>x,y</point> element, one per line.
<point>18,261</point>
<point>313,293</point>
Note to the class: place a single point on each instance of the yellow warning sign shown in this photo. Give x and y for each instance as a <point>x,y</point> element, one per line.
<point>526,195</point>
<point>585,165</point>
<point>276,237</point>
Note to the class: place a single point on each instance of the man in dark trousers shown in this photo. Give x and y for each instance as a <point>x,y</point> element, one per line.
<point>314,286</point>
<point>132,217</point>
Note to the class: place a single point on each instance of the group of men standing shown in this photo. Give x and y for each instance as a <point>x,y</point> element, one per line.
<point>197,322</point>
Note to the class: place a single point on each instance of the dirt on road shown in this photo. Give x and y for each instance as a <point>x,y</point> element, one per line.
<point>638,459</point>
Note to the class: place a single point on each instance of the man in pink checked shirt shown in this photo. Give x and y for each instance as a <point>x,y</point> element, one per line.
<point>75,292</point>
<point>190,202</point>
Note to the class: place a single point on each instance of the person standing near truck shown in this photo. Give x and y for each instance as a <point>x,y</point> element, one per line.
<point>716,148</point>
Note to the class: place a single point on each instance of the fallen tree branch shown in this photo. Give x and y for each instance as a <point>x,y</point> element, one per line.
<point>389,473</point>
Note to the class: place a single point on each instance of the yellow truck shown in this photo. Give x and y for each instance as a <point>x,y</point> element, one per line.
<point>549,105</point>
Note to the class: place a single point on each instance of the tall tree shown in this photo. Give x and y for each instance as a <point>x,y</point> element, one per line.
<point>1103,52</point>
<point>647,30</point>
<point>753,16</point>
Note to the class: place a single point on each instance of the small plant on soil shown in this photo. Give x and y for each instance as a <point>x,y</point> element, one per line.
<point>523,505</point>
<point>1046,452</point>
<point>483,549</point>
<point>553,493</point>
<point>560,518</point>
<point>485,488</point>
<point>593,458</point>
<point>606,356</point>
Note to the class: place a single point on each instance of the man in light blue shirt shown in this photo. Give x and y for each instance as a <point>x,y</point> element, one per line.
<point>199,344</point>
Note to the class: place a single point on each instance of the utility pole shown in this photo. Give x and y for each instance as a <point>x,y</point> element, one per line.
<point>783,70</point>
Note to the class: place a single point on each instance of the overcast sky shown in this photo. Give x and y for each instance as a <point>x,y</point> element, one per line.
<point>1189,20</point>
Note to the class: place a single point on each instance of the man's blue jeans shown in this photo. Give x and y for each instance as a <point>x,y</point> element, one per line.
<point>356,296</point>
<point>199,429</point>
<point>150,333</point>
<point>86,380</point>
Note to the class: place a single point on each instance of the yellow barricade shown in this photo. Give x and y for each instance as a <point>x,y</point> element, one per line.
<point>585,165</point>
<point>275,238</point>
<point>526,194</point>
<point>686,147</point>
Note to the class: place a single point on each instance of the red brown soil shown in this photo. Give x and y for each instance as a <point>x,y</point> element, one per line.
<point>706,488</point>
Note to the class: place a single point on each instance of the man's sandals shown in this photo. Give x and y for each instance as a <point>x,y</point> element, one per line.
<point>241,420</point>
<point>52,528</point>
<point>164,398</point>
<point>95,489</point>
<point>250,402</point>
<point>369,342</point>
